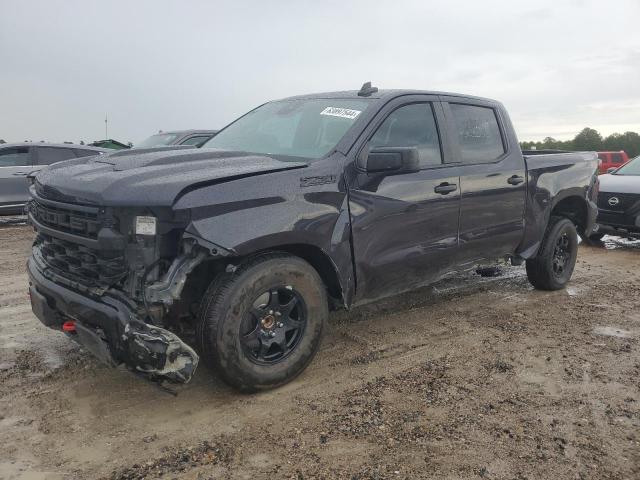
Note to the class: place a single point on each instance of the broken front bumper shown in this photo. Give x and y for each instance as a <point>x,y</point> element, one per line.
<point>110,329</point>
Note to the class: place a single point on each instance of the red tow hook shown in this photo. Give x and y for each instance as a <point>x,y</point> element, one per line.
<point>69,326</point>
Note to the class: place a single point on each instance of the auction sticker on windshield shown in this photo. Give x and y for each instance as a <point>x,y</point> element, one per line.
<point>341,112</point>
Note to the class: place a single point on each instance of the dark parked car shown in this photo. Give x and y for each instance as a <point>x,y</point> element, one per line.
<point>17,160</point>
<point>195,138</point>
<point>302,204</point>
<point>619,201</point>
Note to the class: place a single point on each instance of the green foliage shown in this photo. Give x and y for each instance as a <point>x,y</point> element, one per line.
<point>590,140</point>
<point>587,140</point>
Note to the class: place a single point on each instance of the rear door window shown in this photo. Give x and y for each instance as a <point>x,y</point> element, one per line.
<point>616,158</point>
<point>49,155</point>
<point>411,126</point>
<point>14,157</point>
<point>477,132</point>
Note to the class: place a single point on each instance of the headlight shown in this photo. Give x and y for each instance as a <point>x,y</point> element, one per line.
<point>146,225</point>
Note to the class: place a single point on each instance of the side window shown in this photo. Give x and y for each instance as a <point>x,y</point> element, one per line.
<point>477,132</point>
<point>195,141</point>
<point>49,155</point>
<point>616,158</point>
<point>81,152</point>
<point>411,126</point>
<point>14,157</point>
<point>603,157</point>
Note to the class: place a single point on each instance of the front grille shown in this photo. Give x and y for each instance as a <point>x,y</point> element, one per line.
<point>50,193</point>
<point>67,242</point>
<point>66,219</point>
<point>78,262</point>
<point>624,203</point>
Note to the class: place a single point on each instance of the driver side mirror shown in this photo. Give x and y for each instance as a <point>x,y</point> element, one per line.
<point>393,160</point>
<point>611,169</point>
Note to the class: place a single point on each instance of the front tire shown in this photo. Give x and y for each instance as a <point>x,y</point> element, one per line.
<point>261,325</point>
<point>553,267</point>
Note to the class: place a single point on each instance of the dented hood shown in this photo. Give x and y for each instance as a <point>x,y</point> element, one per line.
<point>150,178</point>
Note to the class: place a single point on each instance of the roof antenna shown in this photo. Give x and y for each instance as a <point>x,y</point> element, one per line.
<point>367,90</point>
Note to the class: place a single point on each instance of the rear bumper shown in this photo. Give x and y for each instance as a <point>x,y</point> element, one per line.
<point>110,329</point>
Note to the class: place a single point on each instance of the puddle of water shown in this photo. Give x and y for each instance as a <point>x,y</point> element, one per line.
<point>572,291</point>
<point>612,332</point>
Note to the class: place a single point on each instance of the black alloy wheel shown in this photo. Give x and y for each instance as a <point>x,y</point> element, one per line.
<point>274,325</point>
<point>561,254</point>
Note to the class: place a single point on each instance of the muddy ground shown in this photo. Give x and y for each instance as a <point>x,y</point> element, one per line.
<point>472,378</point>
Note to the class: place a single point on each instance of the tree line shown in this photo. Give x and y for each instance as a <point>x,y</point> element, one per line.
<point>591,140</point>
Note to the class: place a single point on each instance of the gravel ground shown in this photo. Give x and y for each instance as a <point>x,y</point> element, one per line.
<point>471,378</point>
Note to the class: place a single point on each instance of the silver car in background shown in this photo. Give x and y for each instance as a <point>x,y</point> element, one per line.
<point>18,160</point>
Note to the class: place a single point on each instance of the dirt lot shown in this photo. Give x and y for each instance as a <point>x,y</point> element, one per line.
<point>471,378</point>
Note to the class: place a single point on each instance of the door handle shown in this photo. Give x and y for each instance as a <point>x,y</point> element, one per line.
<point>445,188</point>
<point>515,180</point>
<point>20,174</point>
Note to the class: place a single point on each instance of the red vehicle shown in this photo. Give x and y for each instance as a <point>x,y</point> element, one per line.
<point>611,160</point>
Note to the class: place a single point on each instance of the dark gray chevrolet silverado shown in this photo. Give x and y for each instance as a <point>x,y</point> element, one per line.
<point>238,250</point>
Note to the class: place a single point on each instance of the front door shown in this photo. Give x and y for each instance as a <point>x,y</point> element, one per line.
<point>404,226</point>
<point>492,180</point>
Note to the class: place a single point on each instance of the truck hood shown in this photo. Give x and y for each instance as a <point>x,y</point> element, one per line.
<point>619,183</point>
<point>150,178</point>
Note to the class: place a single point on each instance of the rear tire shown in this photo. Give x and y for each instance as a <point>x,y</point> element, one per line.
<point>261,325</point>
<point>553,267</point>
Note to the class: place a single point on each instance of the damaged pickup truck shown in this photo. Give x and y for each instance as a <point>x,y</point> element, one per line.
<point>237,251</point>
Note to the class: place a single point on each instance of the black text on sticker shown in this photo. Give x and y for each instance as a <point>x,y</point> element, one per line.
<point>341,112</point>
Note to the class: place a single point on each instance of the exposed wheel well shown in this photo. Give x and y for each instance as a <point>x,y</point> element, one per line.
<point>575,209</point>
<point>321,262</point>
<point>204,274</point>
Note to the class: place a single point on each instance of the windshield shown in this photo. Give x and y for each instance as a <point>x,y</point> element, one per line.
<point>308,128</point>
<point>158,140</point>
<point>630,168</point>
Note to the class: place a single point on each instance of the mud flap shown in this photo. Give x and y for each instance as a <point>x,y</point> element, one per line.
<point>159,354</point>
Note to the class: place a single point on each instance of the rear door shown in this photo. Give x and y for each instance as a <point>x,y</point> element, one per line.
<point>492,179</point>
<point>404,226</point>
<point>15,165</point>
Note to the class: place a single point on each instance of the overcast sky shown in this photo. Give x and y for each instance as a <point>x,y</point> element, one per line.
<point>558,65</point>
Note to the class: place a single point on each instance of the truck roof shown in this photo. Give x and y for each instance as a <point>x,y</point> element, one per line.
<point>386,94</point>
